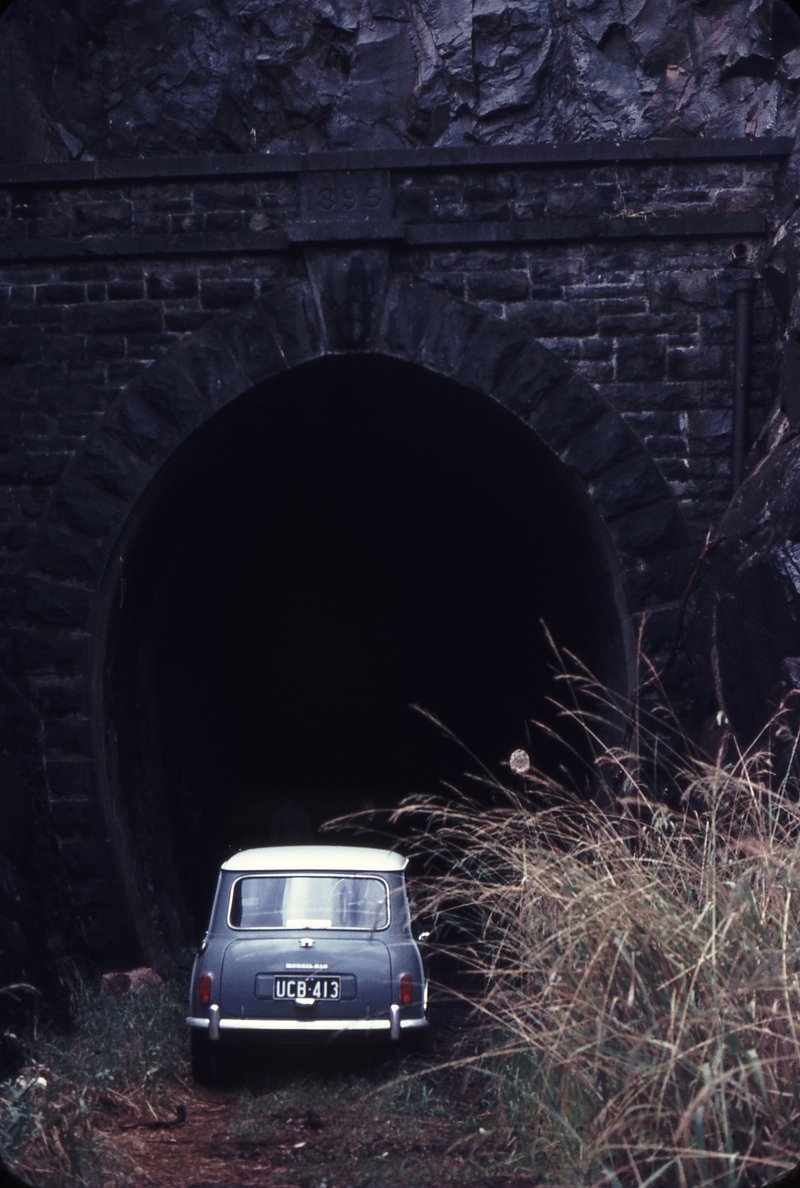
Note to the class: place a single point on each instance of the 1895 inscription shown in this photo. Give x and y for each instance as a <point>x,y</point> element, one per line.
<point>345,196</point>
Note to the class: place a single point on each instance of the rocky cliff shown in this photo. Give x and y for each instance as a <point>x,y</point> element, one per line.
<point>100,78</point>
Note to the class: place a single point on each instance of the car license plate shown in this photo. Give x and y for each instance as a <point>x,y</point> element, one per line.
<point>321,988</point>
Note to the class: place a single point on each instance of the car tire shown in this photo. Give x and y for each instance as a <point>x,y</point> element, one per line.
<point>206,1061</point>
<point>416,1042</point>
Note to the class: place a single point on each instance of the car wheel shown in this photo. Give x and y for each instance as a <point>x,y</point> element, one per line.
<point>206,1062</point>
<point>417,1041</point>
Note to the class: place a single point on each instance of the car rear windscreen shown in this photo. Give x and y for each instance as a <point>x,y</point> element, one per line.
<point>309,901</point>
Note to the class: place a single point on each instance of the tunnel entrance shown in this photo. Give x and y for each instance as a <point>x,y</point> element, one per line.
<point>353,539</point>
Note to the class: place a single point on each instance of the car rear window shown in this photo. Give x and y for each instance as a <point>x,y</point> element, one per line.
<point>309,901</point>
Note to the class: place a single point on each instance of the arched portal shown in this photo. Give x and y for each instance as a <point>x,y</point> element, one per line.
<point>337,500</point>
<point>354,539</point>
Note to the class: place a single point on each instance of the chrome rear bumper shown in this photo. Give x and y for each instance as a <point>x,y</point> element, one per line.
<point>306,1025</point>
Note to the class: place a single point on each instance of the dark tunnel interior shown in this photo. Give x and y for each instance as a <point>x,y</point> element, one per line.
<point>355,539</point>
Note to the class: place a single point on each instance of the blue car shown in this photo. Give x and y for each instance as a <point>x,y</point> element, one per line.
<point>306,942</point>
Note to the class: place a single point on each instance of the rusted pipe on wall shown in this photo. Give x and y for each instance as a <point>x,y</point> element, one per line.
<point>744,287</point>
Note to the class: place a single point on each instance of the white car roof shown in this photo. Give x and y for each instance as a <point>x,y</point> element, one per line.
<point>358,858</point>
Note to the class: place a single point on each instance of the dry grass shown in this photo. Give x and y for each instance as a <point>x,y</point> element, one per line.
<point>122,1062</point>
<point>632,968</point>
<point>637,965</point>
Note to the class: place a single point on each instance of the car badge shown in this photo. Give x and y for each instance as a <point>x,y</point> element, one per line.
<point>306,943</point>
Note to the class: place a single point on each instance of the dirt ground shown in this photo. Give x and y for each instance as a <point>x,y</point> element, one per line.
<point>343,1148</point>
<point>311,1119</point>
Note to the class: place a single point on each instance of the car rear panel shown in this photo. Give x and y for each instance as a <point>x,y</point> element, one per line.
<point>250,966</point>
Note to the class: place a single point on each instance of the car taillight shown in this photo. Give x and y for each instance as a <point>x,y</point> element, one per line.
<point>204,989</point>
<point>406,989</point>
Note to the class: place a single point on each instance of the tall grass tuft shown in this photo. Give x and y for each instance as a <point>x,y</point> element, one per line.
<point>633,967</point>
<point>124,1056</point>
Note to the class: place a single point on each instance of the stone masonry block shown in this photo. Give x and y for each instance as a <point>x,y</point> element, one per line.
<point>20,345</point>
<point>349,288</point>
<point>87,508</point>
<point>67,736</point>
<point>76,815</point>
<point>567,410</point>
<point>56,602</point>
<point>23,467</point>
<point>139,428</point>
<point>60,553</point>
<point>116,317</point>
<point>225,220</point>
<point>168,388</point>
<point>180,284</point>
<point>182,320</point>
<point>60,294</point>
<point>666,290</point>
<point>408,312</point>
<point>491,355</point>
<point>426,327</point>
<point>225,197</point>
<point>650,530</point>
<point>498,286</point>
<point>628,325</point>
<point>84,856</point>
<point>98,217</point>
<point>206,361</point>
<point>528,376</point>
<point>558,319</point>
<point>106,462</point>
<point>89,896</point>
<point>225,294</point>
<point>640,359</point>
<point>250,338</point>
<point>92,270</point>
<point>700,363</point>
<point>632,483</point>
<point>292,312</point>
<point>674,469</point>
<point>82,389</point>
<point>710,422</point>
<point>453,327</point>
<point>128,290</point>
<point>71,778</point>
<point>36,315</point>
<point>606,442</point>
<point>15,538</point>
<point>51,650</point>
<point>56,696</point>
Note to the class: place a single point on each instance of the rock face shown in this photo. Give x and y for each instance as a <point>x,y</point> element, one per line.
<point>95,78</point>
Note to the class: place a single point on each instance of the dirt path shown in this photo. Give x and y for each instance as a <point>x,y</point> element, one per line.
<point>222,1144</point>
<point>291,1117</point>
<point>304,1121</point>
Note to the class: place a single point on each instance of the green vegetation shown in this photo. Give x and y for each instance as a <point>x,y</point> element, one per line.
<point>631,971</point>
<point>638,1002</point>
<point>125,1053</point>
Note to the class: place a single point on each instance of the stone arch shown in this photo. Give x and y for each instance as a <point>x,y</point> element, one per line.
<point>347,304</point>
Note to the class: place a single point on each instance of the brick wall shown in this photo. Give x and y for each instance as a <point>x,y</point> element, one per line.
<point>648,320</point>
<point>624,271</point>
